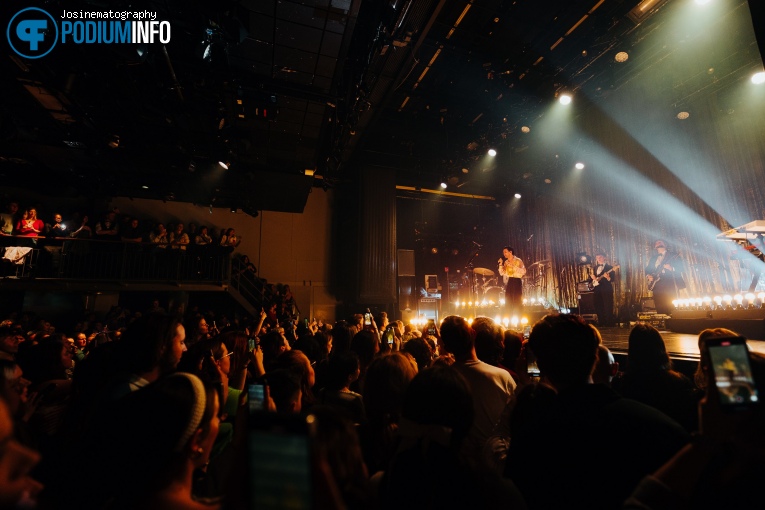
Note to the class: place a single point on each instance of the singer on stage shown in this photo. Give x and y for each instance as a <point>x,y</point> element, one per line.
<point>512,269</point>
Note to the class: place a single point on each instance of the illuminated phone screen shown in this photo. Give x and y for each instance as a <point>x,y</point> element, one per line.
<point>732,373</point>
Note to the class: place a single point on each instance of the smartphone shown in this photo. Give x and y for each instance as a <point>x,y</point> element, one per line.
<point>389,336</point>
<point>256,397</point>
<point>306,322</point>
<point>531,362</point>
<point>279,461</point>
<point>251,344</point>
<point>367,319</point>
<point>431,330</point>
<point>732,372</point>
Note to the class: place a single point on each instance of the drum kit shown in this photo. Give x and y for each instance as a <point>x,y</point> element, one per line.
<point>486,286</point>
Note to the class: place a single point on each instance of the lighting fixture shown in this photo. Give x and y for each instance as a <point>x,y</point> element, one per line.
<point>579,166</point>
<point>758,78</point>
<point>443,185</point>
<point>224,164</point>
<point>622,56</point>
<point>517,195</point>
<point>492,152</point>
<point>525,129</point>
<point>565,99</point>
<point>683,115</point>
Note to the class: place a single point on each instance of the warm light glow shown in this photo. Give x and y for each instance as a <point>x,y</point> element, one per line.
<point>683,115</point>
<point>758,78</point>
<point>525,301</point>
<point>579,166</point>
<point>527,129</point>
<point>443,185</point>
<point>524,322</point>
<point>702,2</point>
<point>622,56</point>
<point>517,195</point>
<point>492,152</point>
<point>727,298</point>
<point>749,298</point>
<point>739,299</point>
<point>498,319</point>
<point>675,302</point>
<point>565,99</point>
<point>505,321</point>
<point>502,301</point>
<point>718,300</point>
<point>514,322</point>
<point>223,164</point>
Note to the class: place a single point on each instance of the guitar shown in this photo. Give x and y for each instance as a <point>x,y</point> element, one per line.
<point>596,279</point>
<point>659,272</point>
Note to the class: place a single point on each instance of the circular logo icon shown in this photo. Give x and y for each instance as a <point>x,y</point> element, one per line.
<point>32,33</point>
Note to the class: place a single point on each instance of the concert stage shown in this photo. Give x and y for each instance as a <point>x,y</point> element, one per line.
<point>680,345</point>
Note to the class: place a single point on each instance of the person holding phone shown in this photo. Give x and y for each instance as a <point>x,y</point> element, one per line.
<point>724,465</point>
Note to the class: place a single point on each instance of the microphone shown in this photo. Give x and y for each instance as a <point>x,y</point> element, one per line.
<point>529,239</point>
<point>479,245</point>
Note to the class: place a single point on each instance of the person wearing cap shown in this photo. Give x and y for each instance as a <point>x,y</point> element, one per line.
<point>601,273</point>
<point>664,273</point>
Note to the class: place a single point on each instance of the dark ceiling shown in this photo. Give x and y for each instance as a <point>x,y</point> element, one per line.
<point>278,87</point>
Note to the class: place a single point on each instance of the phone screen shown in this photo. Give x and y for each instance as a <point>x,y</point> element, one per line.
<point>256,396</point>
<point>367,319</point>
<point>531,362</point>
<point>729,359</point>
<point>389,334</point>
<point>279,462</point>
<point>250,344</point>
<point>431,327</point>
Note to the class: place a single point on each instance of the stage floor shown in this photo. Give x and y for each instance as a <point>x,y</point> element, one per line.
<point>679,345</point>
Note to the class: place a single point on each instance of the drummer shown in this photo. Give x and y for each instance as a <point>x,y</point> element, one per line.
<point>512,269</point>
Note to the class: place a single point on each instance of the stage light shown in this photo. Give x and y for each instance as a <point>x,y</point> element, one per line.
<point>463,304</point>
<point>533,300</point>
<point>524,322</point>
<point>517,195</point>
<point>502,301</point>
<point>498,319</point>
<point>565,99</point>
<point>582,258</point>
<point>676,303</point>
<point>702,2</point>
<point>718,301</point>
<point>492,152</point>
<point>470,320</point>
<point>622,56</point>
<point>707,301</point>
<point>579,166</point>
<point>505,321</point>
<point>443,185</point>
<point>525,129</point>
<point>699,302</point>
<point>525,301</point>
<point>727,298</point>
<point>739,300</point>
<point>224,164</point>
<point>434,250</point>
<point>683,115</point>
<point>749,299</point>
<point>514,322</point>
<point>758,78</point>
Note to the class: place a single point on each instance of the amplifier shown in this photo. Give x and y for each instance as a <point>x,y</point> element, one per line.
<point>583,286</point>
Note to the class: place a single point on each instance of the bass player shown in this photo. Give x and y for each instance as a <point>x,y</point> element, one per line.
<point>603,291</point>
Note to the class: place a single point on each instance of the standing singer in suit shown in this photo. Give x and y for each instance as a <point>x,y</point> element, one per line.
<point>665,277</point>
<point>512,269</point>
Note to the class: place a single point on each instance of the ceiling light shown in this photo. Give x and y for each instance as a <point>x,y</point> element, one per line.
<point>622,56</point>
<point>443,185</point>
<point>548,181</point>
<point>145,187</point>
<point>492,152</point>
<point>758,78</point>
<point>525,129</point>
<point>579,166</point>
<point>517,195</point>
<point>683,115</point>
<point>434,250</point>
<point>224,164</point>
<point>565,99</point>
<point>465,171</point>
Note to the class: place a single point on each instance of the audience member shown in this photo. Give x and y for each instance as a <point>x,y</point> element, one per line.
<point>492,387</point>
<point>341,371</point>
<point>566,431</point>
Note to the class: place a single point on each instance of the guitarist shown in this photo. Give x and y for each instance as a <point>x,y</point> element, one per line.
<point>603,292</point>
<point>665,276</point>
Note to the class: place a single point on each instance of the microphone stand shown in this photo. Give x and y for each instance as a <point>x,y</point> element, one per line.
<point>473,283</point>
